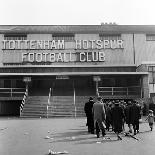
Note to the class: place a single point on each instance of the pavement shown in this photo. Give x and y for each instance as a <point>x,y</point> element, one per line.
<point>70,136</point>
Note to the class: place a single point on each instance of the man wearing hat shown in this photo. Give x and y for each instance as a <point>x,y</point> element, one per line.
<point>117,119</point>
<point>88,111</point>
<point>134,115</point>
<point>99,117</point>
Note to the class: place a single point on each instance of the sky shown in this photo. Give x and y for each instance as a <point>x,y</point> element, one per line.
<point>77,12</point>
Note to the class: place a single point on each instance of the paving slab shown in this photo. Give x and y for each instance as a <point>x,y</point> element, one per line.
<point>38,136</point>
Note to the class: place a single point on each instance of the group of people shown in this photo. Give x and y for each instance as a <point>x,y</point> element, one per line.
<point>101,116</point>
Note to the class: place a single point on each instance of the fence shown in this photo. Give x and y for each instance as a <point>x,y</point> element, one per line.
<point>12,92</point>
<point>117,91</point>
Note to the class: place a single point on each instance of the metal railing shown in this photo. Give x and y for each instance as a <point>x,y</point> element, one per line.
<point>23,101</point>
<point>12,92</point>
<point>48,102</point>
<point>116,91</point>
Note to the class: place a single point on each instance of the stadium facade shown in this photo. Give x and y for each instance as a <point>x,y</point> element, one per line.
<point>69,63</point>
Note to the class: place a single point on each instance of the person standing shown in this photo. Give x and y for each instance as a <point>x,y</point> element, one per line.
<point>127,118</point>
<point>108,116</point>
<point>99,117</point>
<point>89,114</point>
<point>150,119</point>
<point>134,114</point>
<point>117,119</point>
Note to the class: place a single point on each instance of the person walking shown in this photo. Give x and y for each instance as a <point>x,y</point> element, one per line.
<point>117,119</point>
<point>127,118</point>
<point>108,116</point>
<point>134,116</point>
<point>99,117</point>
<point>150,119</point>
<point>89,114</point>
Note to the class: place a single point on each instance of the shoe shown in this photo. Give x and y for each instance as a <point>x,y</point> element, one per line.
<point>103,134</point>
<point>130,130</point>
<point>119,138</point>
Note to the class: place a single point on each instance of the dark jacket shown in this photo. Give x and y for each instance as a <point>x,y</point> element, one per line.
<point>117,118</point>
<point>88,108</point>
<point>134,113</point>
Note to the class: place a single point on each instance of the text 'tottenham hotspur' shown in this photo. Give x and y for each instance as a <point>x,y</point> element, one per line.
<point>58,54</point>
<point>60,44</point>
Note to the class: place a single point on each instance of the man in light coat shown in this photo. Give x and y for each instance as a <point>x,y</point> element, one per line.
<point>99,117</point>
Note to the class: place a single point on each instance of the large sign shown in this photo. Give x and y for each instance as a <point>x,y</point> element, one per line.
<point>53,50</point>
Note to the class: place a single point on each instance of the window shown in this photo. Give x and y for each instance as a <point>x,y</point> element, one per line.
<point>66,37</point>
<point>151,70</point>
<point>110,37</point>
<point>15,37</point>
<point>150,37</point>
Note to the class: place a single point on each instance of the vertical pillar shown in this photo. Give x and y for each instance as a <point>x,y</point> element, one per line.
<point>27,80</point>
<point>27,88</point>
<point>145,86</point>
<point>97,93</point>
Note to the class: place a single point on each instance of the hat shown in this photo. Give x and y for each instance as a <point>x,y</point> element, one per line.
<point>99,98</point>
<point>151,111</point>
<point>90,98</point>
<point>116,102</point>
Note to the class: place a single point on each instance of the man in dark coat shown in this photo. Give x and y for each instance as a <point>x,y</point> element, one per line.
<point>117,119</point>
<point>127,118</point>
<point>134,115</point>
<point>88,111</point>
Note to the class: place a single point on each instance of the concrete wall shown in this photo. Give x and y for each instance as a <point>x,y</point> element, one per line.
<point>145,50</point>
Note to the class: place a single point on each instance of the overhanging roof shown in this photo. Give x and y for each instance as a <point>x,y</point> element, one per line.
<point>74,73</point>
<point>77,29</point>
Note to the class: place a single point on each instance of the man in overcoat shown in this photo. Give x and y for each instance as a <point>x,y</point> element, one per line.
<point>99,117</point>
<point>134,115</point>
<point>117,119</point>
<point>89,114</point>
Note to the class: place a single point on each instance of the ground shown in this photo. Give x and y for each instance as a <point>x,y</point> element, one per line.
<point>37,136</point>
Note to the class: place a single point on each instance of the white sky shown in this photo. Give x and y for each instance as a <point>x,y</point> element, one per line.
<point>77,12</point>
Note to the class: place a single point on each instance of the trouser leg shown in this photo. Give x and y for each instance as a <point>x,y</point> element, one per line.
<point>100,123</point>
<point>97,129</point>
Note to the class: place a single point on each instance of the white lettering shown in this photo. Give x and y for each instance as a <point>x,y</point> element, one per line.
<point>24,55</point>
<point>101,56</point>
<point>61,44</point>
<point>85,44</point>
<point>92,43</point>
<point>88,60</point>
<point>39,57</point>
<point>59,57</point>
<point>12,44</point>
<point>82,55</point>
<point>53,45</point>
<point>45,56</point>
<point>31,57</point>
<point>120,43</point>
<point>99,44</point>
<point>52,57</point>
<point>4,43</point>
<point>95,55</point>
<point>32,44</point>
<point>78,44</point>
<point>106,43</point>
